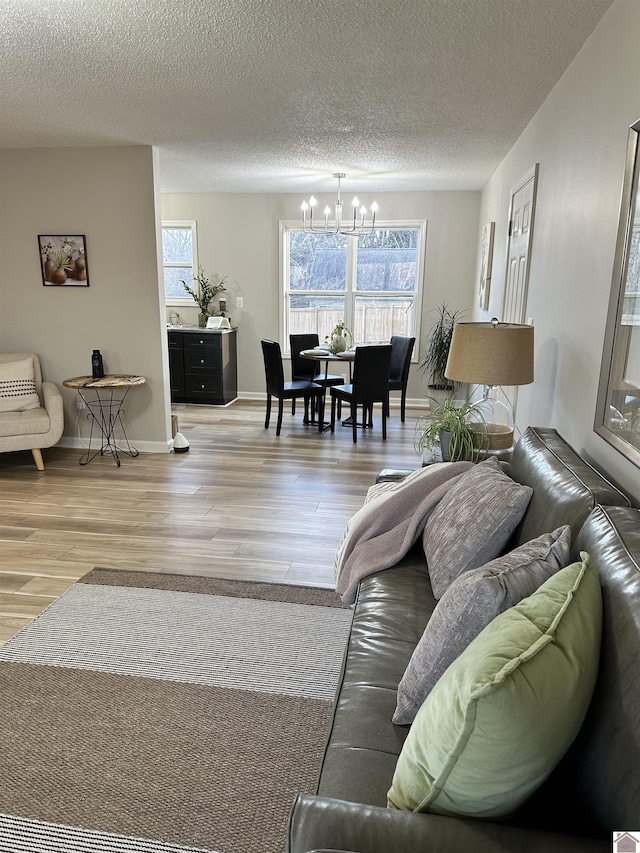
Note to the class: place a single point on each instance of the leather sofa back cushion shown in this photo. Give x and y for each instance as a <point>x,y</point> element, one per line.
<point>18,386</point>
<point>565,486</point>
<point>472,523</point>
<point>472,601</point>
<point>508,708</point>
<point>599,779</point>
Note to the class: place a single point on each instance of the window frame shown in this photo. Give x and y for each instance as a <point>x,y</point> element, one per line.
<point>186,300</point>
<point>351,293</point>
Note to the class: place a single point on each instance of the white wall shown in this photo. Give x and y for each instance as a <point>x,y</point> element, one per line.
<point>238,236</point>
<point>579,138</point>
<point>108,194</point>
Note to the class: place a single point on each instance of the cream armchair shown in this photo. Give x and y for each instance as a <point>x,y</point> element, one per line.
<point>29,419</point>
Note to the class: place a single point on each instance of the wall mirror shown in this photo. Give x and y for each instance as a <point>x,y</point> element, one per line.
<point>618,406</point>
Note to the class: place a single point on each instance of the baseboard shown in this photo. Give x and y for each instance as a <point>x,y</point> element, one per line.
<point>142,446</point>
<point>252,395</point>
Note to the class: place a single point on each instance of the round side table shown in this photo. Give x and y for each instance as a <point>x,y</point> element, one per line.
<point>105,410</point>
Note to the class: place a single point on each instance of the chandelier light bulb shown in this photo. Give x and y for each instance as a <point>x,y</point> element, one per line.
<point>350,228</point>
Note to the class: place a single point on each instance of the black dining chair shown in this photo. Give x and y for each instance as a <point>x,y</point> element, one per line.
<point>401,351</point>
<point>277,387</point>
<point>370,385</point>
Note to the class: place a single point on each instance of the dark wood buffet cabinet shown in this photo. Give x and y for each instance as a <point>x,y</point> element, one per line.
<point>203,366</point>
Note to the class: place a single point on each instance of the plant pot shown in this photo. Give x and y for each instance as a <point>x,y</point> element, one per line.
<point>461,456</point>
<point>445,438</point>
<point>202,320</point>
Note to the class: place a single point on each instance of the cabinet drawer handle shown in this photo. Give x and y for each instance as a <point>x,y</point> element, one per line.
<point>202,386</point>
<point>202,361</point>
<point>201,342</point>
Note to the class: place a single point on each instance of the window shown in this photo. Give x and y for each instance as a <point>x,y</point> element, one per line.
<point>372,282</point>
<point>179,260</point>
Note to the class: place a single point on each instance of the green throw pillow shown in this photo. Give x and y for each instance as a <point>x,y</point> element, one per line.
<point>505,712</point>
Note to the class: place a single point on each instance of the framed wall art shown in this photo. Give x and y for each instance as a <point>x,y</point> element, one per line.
<point>486,264</point>
<point>63,260</point>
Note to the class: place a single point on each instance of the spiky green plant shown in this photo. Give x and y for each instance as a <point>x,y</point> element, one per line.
<point>438,345</point>
<point>206,292</point>
<point>463,422</point>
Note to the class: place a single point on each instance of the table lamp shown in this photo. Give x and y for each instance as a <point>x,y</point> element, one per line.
<point>492,354</point>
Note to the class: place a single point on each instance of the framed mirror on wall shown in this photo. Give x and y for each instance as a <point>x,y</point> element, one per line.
<point>618,406</point>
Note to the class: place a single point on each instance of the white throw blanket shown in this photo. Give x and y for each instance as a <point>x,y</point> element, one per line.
<point>392,519</point>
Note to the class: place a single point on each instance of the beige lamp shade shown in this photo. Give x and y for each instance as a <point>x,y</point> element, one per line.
<point>491,354</point>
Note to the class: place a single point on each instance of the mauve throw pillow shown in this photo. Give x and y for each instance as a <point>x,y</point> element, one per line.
<point>472,523</point>
<point>472,601</point>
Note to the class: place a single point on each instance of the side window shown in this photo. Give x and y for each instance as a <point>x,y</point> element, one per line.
<point>179,260</point>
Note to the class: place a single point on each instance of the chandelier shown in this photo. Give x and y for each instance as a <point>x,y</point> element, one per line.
<point>352,228</point>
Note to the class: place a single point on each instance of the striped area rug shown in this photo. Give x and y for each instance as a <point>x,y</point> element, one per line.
<point>150,713</point>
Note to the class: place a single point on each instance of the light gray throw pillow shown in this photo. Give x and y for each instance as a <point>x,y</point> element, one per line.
<point>472,601</point>
<point>18,386</point>
<point>472,523</point>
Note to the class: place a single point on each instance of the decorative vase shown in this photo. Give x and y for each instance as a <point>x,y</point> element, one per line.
<point>338,343</point>
<point>49,268</point>
<point>80,269</point>
<point>202,320</point>
<point>58,276</point>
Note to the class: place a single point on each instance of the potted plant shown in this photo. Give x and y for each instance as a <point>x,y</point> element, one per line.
<point>437,350</point>
<point>204,294</point>
<point>459,427</point>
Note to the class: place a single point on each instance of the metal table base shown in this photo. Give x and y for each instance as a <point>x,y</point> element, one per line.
<point>104,413</point>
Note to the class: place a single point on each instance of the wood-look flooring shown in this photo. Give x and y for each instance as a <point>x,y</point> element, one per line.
<point>240,504</point>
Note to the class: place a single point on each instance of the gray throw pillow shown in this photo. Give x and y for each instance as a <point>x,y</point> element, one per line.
<point>472,523</point>
<point>472,601</point>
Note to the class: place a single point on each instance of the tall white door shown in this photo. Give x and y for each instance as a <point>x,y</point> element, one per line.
<point>521,211</point>
<point>514,303</point>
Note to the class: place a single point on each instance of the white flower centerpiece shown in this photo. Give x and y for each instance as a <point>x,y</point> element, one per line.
<point>339,339</point>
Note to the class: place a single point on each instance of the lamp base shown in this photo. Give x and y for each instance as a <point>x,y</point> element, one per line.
<point>493,436</point>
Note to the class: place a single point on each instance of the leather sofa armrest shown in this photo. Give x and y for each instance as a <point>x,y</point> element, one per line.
<point>392,475</point>
<point>322,823</point>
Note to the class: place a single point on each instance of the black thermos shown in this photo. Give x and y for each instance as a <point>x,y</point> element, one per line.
<point>97,367</point>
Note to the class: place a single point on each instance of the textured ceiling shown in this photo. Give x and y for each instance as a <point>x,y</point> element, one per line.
<point>276,95</point>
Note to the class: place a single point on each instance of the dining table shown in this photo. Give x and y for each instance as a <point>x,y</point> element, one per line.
<point>325,354</point>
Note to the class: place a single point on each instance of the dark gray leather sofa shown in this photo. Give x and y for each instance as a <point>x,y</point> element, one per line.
<point>594,790</point>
